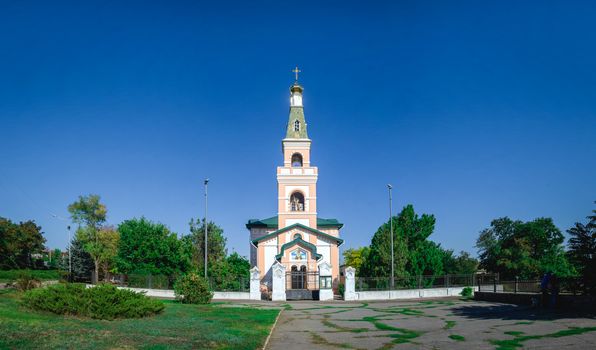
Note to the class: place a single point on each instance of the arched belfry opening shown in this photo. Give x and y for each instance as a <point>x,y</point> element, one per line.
<point>297,202</point>
<point>296,160</point>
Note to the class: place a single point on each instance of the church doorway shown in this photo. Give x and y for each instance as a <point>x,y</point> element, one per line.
<point>302,284</point>
<point>298,277</point>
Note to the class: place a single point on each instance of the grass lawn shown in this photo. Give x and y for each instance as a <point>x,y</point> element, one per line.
<point>44,275</point>
<point>180,326</point>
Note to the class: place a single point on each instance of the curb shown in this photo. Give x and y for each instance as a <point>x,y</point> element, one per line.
<point>272,328</point>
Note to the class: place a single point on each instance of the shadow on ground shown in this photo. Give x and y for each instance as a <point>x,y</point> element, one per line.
<point>516,312</point>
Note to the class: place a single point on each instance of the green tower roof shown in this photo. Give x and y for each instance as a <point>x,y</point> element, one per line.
<point>296,128</point>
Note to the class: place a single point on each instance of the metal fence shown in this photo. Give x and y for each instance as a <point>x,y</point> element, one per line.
<point>531,286</point>
<point>414,282</point>
<point>302,280</point>
<point>148,281</point>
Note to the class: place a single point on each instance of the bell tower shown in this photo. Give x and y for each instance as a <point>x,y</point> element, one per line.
<point>297,179</point>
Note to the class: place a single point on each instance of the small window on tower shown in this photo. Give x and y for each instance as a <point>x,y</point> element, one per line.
<point>296,125</point>
<point>297,202</point>
<point>296,160</point>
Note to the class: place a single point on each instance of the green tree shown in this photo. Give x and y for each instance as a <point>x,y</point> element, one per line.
<point>216,245</point>
<point>582,251</point>
<point>18,243</point>
<point>414,253</point>
<point>230,273</point>
<point>53,259</point>
<point>106,248</point>
<point>147,247</point>
<point>88,211</point>
<point>90,215</point>
<point>523,249</point>
<point>82,263</point>
<point>462,264</point>
<point>355,257</point>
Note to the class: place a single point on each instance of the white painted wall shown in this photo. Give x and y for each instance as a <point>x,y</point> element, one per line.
<point>410,293</point>
<point>270,253</point>
<point>297,221</point>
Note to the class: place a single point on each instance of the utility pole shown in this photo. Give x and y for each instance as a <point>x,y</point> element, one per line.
<point>69,255</point>
<point>205,224</point>
<point>389,187</point>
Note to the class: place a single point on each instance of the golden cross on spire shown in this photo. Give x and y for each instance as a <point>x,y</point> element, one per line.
<point>296,71</point>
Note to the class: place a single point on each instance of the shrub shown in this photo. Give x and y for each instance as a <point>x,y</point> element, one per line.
<point>42,275</point>
<point>26,281</point>
<point>102,302</point>
<point>341,289</point>
<point>192,289</point>
<point>466,292</point>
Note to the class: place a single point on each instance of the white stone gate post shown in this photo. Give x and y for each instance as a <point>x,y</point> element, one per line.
<point>255,284</point>
<point>325,282</point>
<point>279,282</point>
<point>350,287</point>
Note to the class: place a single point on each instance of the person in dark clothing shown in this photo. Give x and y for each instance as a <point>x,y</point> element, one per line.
<point>544,286</point>
<point>554,290</point>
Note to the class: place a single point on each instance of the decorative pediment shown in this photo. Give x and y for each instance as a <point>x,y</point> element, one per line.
<point>334,239</point>
<point>298,241</point>
<point>324,269</point>
<point>254,273</point>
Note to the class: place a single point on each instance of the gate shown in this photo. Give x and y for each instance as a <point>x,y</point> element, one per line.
<point>302,284</point>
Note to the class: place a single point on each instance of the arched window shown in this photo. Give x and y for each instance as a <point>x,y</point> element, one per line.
<point>297,202</point>
<point>296,160</point>
<point>296,125</point>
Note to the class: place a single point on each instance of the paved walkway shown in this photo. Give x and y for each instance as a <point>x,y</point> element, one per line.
<point>431,324</point>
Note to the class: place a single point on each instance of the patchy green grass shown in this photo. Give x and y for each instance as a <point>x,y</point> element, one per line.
<point>449,324</point>
<point>457,337</point>
<point>339,328</point>
<point>180,326</point>
<point>403,335</point>
<point>514,333</point>
<point>317,339</point>
<point>524,322</point>
<point>43,275</point>
<point>517,342</point>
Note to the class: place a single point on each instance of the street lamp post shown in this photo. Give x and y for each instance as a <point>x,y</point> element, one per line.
<point>69,247</point>
<point>389,187</point>
<point>206,182</point>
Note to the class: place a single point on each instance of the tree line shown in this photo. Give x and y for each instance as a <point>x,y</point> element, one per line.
<point>135,246</point>
<point>511,248</point>
<point>141,246</point>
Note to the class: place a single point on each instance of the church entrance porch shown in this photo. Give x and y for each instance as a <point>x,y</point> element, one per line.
<point>302,284</point>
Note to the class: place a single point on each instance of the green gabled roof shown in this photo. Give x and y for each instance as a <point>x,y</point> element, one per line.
<point>256,241</point>
<point>272,223</point>
<point>299,240</point>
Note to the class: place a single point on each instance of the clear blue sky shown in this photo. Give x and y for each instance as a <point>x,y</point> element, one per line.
<point>472,110</point>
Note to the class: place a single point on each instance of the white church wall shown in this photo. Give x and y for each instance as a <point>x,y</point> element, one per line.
<point>270,252</point>
<point>297,221</point>
<point>325,251</point>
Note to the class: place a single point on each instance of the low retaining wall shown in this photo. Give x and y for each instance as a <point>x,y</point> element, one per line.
<point>169,294</point>
<point>410,293</point>
<point>232,295</point>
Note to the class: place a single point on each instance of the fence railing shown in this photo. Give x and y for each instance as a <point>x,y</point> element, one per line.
<point>415,282</point>
<point>147,281</point>
<point>531,286</point>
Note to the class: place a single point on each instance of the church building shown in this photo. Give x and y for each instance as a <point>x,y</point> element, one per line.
<point>296,237</point>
